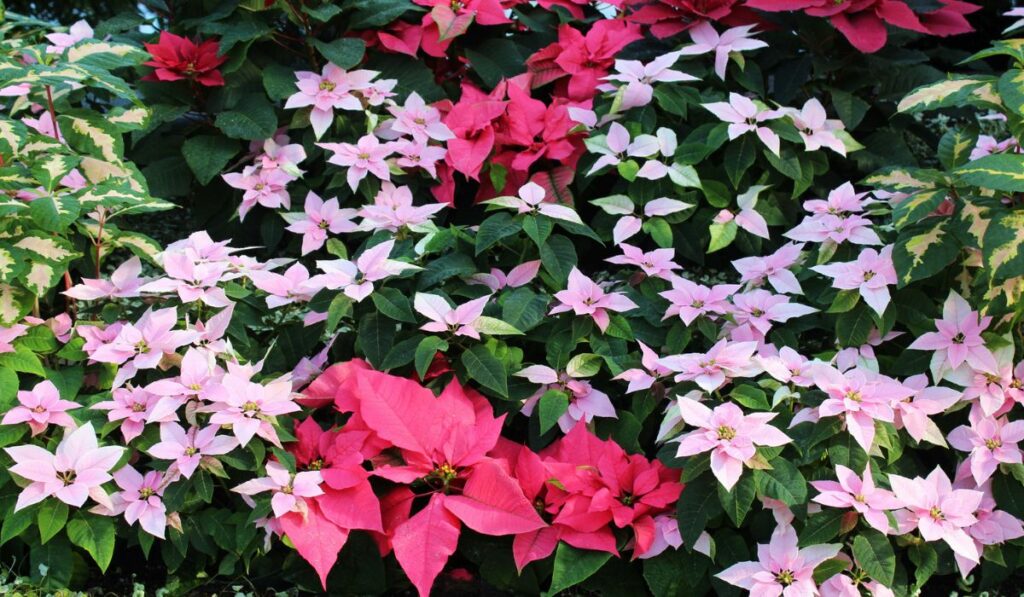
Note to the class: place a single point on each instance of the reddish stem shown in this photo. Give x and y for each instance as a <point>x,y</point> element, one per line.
<point>53,112</point>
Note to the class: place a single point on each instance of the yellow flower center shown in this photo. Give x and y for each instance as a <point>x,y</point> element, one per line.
<point>726,433</point>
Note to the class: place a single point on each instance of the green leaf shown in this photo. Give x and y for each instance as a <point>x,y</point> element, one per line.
<point>251,119</point>
<point>921,252</point>
<point>845,301</point>
<point>90,133</point>
<point>874,554</point>
<point>926,563</point>
<point>917,206</point>
<point>1011,90</point>
<point>22,361</point>
<point>493,326</point>
<point>370,14</point>
<point>1000,171</point>
<point>697,504</point>
<point>207,155</point>
<point>55,558</point>
<point>344,52</point>
<point>737,502</point>
<point>524,309</point>
<point>739,156</point>
<point>53,514</point>
<point>425,352</point>
<point>394,304</point>
<point>495,228</point>
<point>558,256</point>
<point>1004,240</point>
<point>485,368</point>
<point>8,388</point>
<point>16,523</point>
<point>751,397</point>
<point>674,571</point>
<point>375,337</point>
<point>854,327</point>
<point>551,406</point>
<point>94,534</point>
<point>830,568</point>
<point>822,527</point>
<point>278,81</point>
<point>956,145</point>
<point>942,94</point>
<point>722,235</point>
<point>783,482</point>
<point>573,566</point>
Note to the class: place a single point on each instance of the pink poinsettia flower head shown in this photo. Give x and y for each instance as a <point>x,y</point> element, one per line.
<point>392,208</point>
<point>940,512</point>
<point>860,493</point>
<point>656,264</point>
<point>744,116</point>
<point>268,188</point>
<point>782,567</point>
<point>9,334</point>
<point>860,397</point>
<point>135,407</point>
<point>518,276</point>
<point>191,279</point>
<point>990,442</point>
<point>142,499</point>
<point>250,407</point>
<point>707,40</point>
<point>585,402</point>
<point>913,413</point>
<point>418,120</point>
<point>841,200</point>
<point>711,370</point>
<point>187,448</point>
<point>583,296</point>
<point>142,345</point>
<point>279,153</point>
<point>871,275</point>
<point>957,339</point>
<point>643,378</point>
<point>293,286</point>
<point>417,154</point>
<point>689,300</point>
<point>334,88</point>
<point>289,490</point>
<point>321,218</point>
<point>530,200</point>
<point>124,283</point>
<point>62,41</point>
<point>816,129</point>
<point>41,407</point>
<point>639,78</point>
<point>75,472</point>
<point>730,436</point>
<point>773,268</point>
<point>788,366</point>
<point>458,321</point>
<point>356,279</point>
<point>367,156</point>
<point>757,311</point>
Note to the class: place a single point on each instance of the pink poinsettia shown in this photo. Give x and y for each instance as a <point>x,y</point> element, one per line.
<point>583,296</point>
<point>958,339</point>
<point>585,401</point>
<point>320,218</point>
<point>940,512</point>
<point>859,493</point>
<point>774,269</point>
<point>530,200</point>
<point>124,283</point>
<point>356,279</point>
<point>188,448</point>
<point>518,276</point>
<point>651,371</point>
<point>990,442</point>
<point>392,208</point>
<point>993,527</point>
<point>268,188</point>
<point>871,275</point>
<point>630,224</point>
<point>458,321</point>
<point>135,407</point>
<point>711,370</point>
<point>689,300</point>
<point>638,78</point>
<point>657,263</point>
<point>860,397</point>
<point>730,436</point>
<point>289,490</point>
<point>249,407</point>
<point>744,116</point>
<point>142,345</point>
<point>706,40</point>
<point>41,407</point>
<point>141,497</point>
<point>787,366</point>
<point>198,374</point>
<point>913,413</point>
<point>816,129</point>
<point>333,89</point>
<point>756,311</point>
<point>8,334</point>
<point>366,156</point>
<point>295,285</point>
<point>74,473</point>
<point>191,279</point>
<point>782,567</point>
<point>418,120</point>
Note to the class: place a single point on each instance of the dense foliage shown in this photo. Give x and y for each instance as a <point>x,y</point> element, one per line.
<point>657,296</point>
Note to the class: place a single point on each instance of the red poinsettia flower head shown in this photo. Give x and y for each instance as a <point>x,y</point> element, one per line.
<point>176,58</point>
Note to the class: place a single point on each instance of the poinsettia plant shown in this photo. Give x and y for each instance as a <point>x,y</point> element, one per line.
<point>668,297</point>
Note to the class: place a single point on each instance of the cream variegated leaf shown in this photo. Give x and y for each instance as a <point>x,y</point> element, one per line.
<point>51,249</point>
<point>92,135</point>
<point>105,54</point>
<point>1004,245</point>
<point>14,304</point>
<point>129,119</point>
<point>40,277</point>
<point>938,95</point>
<point>12,136</point>
<point>922,252</point>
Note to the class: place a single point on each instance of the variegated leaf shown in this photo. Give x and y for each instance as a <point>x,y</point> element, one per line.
<point>9,266</point>
<point>976,217</point>
<point>12,135</point>
<point>916,207</point>
<point>52,168</point>
<point>1001,172</point>
<point>1011,89</point>
<point>956,145</point>
<point>91,134</point>
<point>106,55</point>
<point>54,213</point>
<point>904,180</point>
<point>40,277</point>
<point>939,95</point>
<point>129,119</point>
<point>15,303</point>
<point>139,244</point>
<point>1004,240</point>
<point>922,252</point>
<point>46,247</point>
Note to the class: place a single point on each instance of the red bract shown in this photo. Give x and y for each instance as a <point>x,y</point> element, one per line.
<point>348,501</point>
<point>449,19</point>
<point>585,59</point>
<point>472,120</point>
<point>670,17</point>
<point>441,447</point>
<point>176,58</point>
<point>863,22</point>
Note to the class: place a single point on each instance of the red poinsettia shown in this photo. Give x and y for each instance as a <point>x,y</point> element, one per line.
<point>347,502</point>
<point>863,22</point>
<point>440,452</point>
<point>584,59</point>
<point>670,17</point>
<point>176,58</point>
